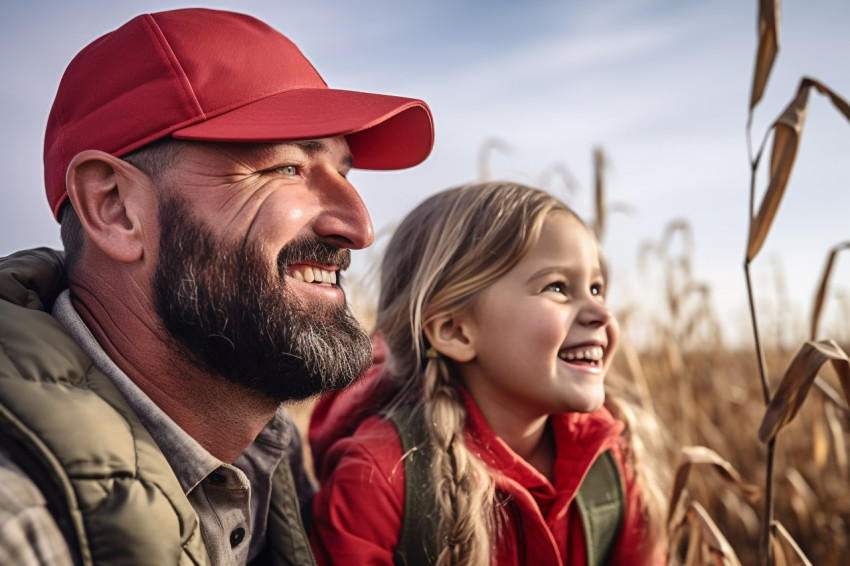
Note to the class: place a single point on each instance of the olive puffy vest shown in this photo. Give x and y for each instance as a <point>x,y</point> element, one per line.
<point>109,487</point>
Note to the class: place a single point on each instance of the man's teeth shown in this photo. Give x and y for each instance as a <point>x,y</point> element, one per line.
<point>593,354</point>
<point>313,274</point>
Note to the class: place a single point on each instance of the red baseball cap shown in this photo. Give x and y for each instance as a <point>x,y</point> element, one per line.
<point>200,74</point>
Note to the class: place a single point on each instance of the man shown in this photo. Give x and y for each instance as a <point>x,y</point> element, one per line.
<point>197,164</point>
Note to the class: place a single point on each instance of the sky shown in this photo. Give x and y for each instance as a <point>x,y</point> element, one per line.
<point>530,90</point>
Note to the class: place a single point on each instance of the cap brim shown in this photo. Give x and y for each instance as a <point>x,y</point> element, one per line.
<point>383,132</point>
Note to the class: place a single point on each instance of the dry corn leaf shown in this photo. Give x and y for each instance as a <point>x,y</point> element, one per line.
<point>786,139</point>
<point>719,549</point>
<point>820,296</point>
<point>797,382</point>
<point>831,394</point>
<point>685,542</point>
<point>705,543</point>
<point>785,550</point>
<point>768,47</point>
<point>840,104</point>
<point>676,523</point>
<point>702,456</point>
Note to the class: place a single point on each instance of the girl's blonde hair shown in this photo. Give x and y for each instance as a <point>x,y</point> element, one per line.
<point>441,255</point>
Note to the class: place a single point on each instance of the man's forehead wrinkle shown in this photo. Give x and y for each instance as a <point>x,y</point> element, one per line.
<point>246,152</point>
<point>313,147</point>
<point>272,150</point>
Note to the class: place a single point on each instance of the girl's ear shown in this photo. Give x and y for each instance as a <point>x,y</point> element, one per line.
<point>449,334</point>
<point>106,193</point>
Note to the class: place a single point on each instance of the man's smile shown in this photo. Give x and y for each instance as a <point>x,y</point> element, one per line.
<point>313,274</point>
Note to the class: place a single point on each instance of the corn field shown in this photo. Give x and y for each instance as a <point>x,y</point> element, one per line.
<point>749,446</point>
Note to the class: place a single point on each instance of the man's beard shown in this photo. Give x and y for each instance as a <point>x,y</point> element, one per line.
<point>232,316</point>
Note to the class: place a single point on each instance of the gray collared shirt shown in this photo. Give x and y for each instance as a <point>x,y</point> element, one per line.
<point>232,501</point>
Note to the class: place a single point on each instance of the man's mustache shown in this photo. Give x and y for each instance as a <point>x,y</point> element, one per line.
<point>311,250</point>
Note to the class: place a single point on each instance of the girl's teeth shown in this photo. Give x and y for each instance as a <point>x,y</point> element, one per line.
<point>591,354</point>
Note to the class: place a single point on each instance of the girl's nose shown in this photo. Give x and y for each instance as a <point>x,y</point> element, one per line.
<point>595,314</point>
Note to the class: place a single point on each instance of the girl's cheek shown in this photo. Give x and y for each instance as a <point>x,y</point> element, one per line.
<point>551,332</point>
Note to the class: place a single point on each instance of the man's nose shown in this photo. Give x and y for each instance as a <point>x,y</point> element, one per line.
<point>344,220</point>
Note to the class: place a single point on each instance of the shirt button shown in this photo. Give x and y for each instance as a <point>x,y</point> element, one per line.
<point>237,536</point>
<point>217,478</point>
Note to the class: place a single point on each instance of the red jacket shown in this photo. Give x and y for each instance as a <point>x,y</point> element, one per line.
<point>358,511</point>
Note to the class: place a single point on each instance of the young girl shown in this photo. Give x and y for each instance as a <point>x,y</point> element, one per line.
<point>492,345</point>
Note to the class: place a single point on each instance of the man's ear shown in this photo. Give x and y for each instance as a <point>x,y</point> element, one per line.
<point>106,193</point>
<point>451,335</point>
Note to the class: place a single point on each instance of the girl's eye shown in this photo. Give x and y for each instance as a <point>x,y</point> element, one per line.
<point>597,289</point>
<point>556,287</point>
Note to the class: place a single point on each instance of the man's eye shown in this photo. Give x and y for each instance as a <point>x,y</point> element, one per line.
<point>289,170</point>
